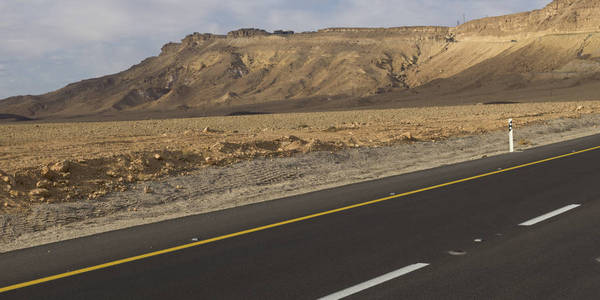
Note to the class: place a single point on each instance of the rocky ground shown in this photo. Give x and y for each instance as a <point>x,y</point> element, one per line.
<point>109,175</point>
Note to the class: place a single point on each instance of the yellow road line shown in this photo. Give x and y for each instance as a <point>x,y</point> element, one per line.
<point>222,237</point>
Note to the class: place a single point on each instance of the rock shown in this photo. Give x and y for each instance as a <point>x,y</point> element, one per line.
<point>208,159</point>
<point>283,32</point>
<point>61,167</point>
<point>292,138</point>
<point>407,136</point>
<point>43,184</point>
<point>39,192</point>
<point>147,189</point>
<point>7,188</point>
<point>8,179</point>
<point>194,39</point>
<point>225,147</point>
<point>157,156</point>
<point>206,130</point>
<point>179,187</point>
<point>47,173</point>
<point>247,32</point>
<point>580,107</point>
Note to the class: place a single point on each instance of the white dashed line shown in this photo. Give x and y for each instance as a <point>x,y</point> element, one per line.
<point>549,215</point>
<point>373,282</point>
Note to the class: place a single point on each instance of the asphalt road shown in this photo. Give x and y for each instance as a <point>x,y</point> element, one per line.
<point>458,241</point>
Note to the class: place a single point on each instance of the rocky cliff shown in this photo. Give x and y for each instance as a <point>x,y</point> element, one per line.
<point>558,16</point>
<point>219,74</point>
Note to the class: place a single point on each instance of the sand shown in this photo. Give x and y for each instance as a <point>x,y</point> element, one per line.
<point>261,179</point>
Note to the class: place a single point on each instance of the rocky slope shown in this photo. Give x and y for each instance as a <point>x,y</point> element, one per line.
<point>558,16</point>
<point>341,68</point>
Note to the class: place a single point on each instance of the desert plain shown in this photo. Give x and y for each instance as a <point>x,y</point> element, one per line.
<point>44,165</point>
<point>56,175</point>
<point>56,162</point>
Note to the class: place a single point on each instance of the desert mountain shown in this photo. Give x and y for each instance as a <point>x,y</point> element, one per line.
<point>547,54</point>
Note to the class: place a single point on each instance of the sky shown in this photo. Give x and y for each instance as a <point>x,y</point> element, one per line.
<point>46,44</point>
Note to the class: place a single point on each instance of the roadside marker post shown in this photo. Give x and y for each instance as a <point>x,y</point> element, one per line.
<point>511,145</point>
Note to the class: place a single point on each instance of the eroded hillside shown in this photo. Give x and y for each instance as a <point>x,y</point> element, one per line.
<point>342,68</point>
<point>558,16</point>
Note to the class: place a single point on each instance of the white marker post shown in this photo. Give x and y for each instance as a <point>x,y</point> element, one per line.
<point>511,145</point>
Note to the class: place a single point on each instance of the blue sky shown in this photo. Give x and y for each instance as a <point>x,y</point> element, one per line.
<point>46,44</point>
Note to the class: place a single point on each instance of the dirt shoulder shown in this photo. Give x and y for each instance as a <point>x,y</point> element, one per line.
<point>105,176</point>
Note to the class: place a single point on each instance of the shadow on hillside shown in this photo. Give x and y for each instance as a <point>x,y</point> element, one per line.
<point>13,118</point>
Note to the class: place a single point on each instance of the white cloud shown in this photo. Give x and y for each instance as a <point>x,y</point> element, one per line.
<point>90,38</point>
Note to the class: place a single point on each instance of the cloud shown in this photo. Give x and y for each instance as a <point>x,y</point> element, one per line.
<point>66,40</point>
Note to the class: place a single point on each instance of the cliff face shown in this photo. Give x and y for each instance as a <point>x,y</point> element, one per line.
<point>208,73</point>
<point>558,16</point>
<point>439,30</point>
<point>247,32</point>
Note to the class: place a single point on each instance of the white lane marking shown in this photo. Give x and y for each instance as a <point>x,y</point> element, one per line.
<point>373,282</point>
<point>549,215</point>
<point>457,252</point>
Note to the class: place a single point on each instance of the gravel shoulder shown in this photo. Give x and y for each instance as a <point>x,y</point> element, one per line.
<point>263,179</point>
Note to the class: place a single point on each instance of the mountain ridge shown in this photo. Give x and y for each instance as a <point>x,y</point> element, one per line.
<point>343,68</point>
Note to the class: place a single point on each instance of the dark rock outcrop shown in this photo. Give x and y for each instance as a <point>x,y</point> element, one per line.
<point>247,32</point>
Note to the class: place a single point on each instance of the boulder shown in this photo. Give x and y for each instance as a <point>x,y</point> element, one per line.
<point>61,167</point>
<point>47,173</point>
<point>8,179</point>
<point>43,184</point>
<point>39,192</point>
